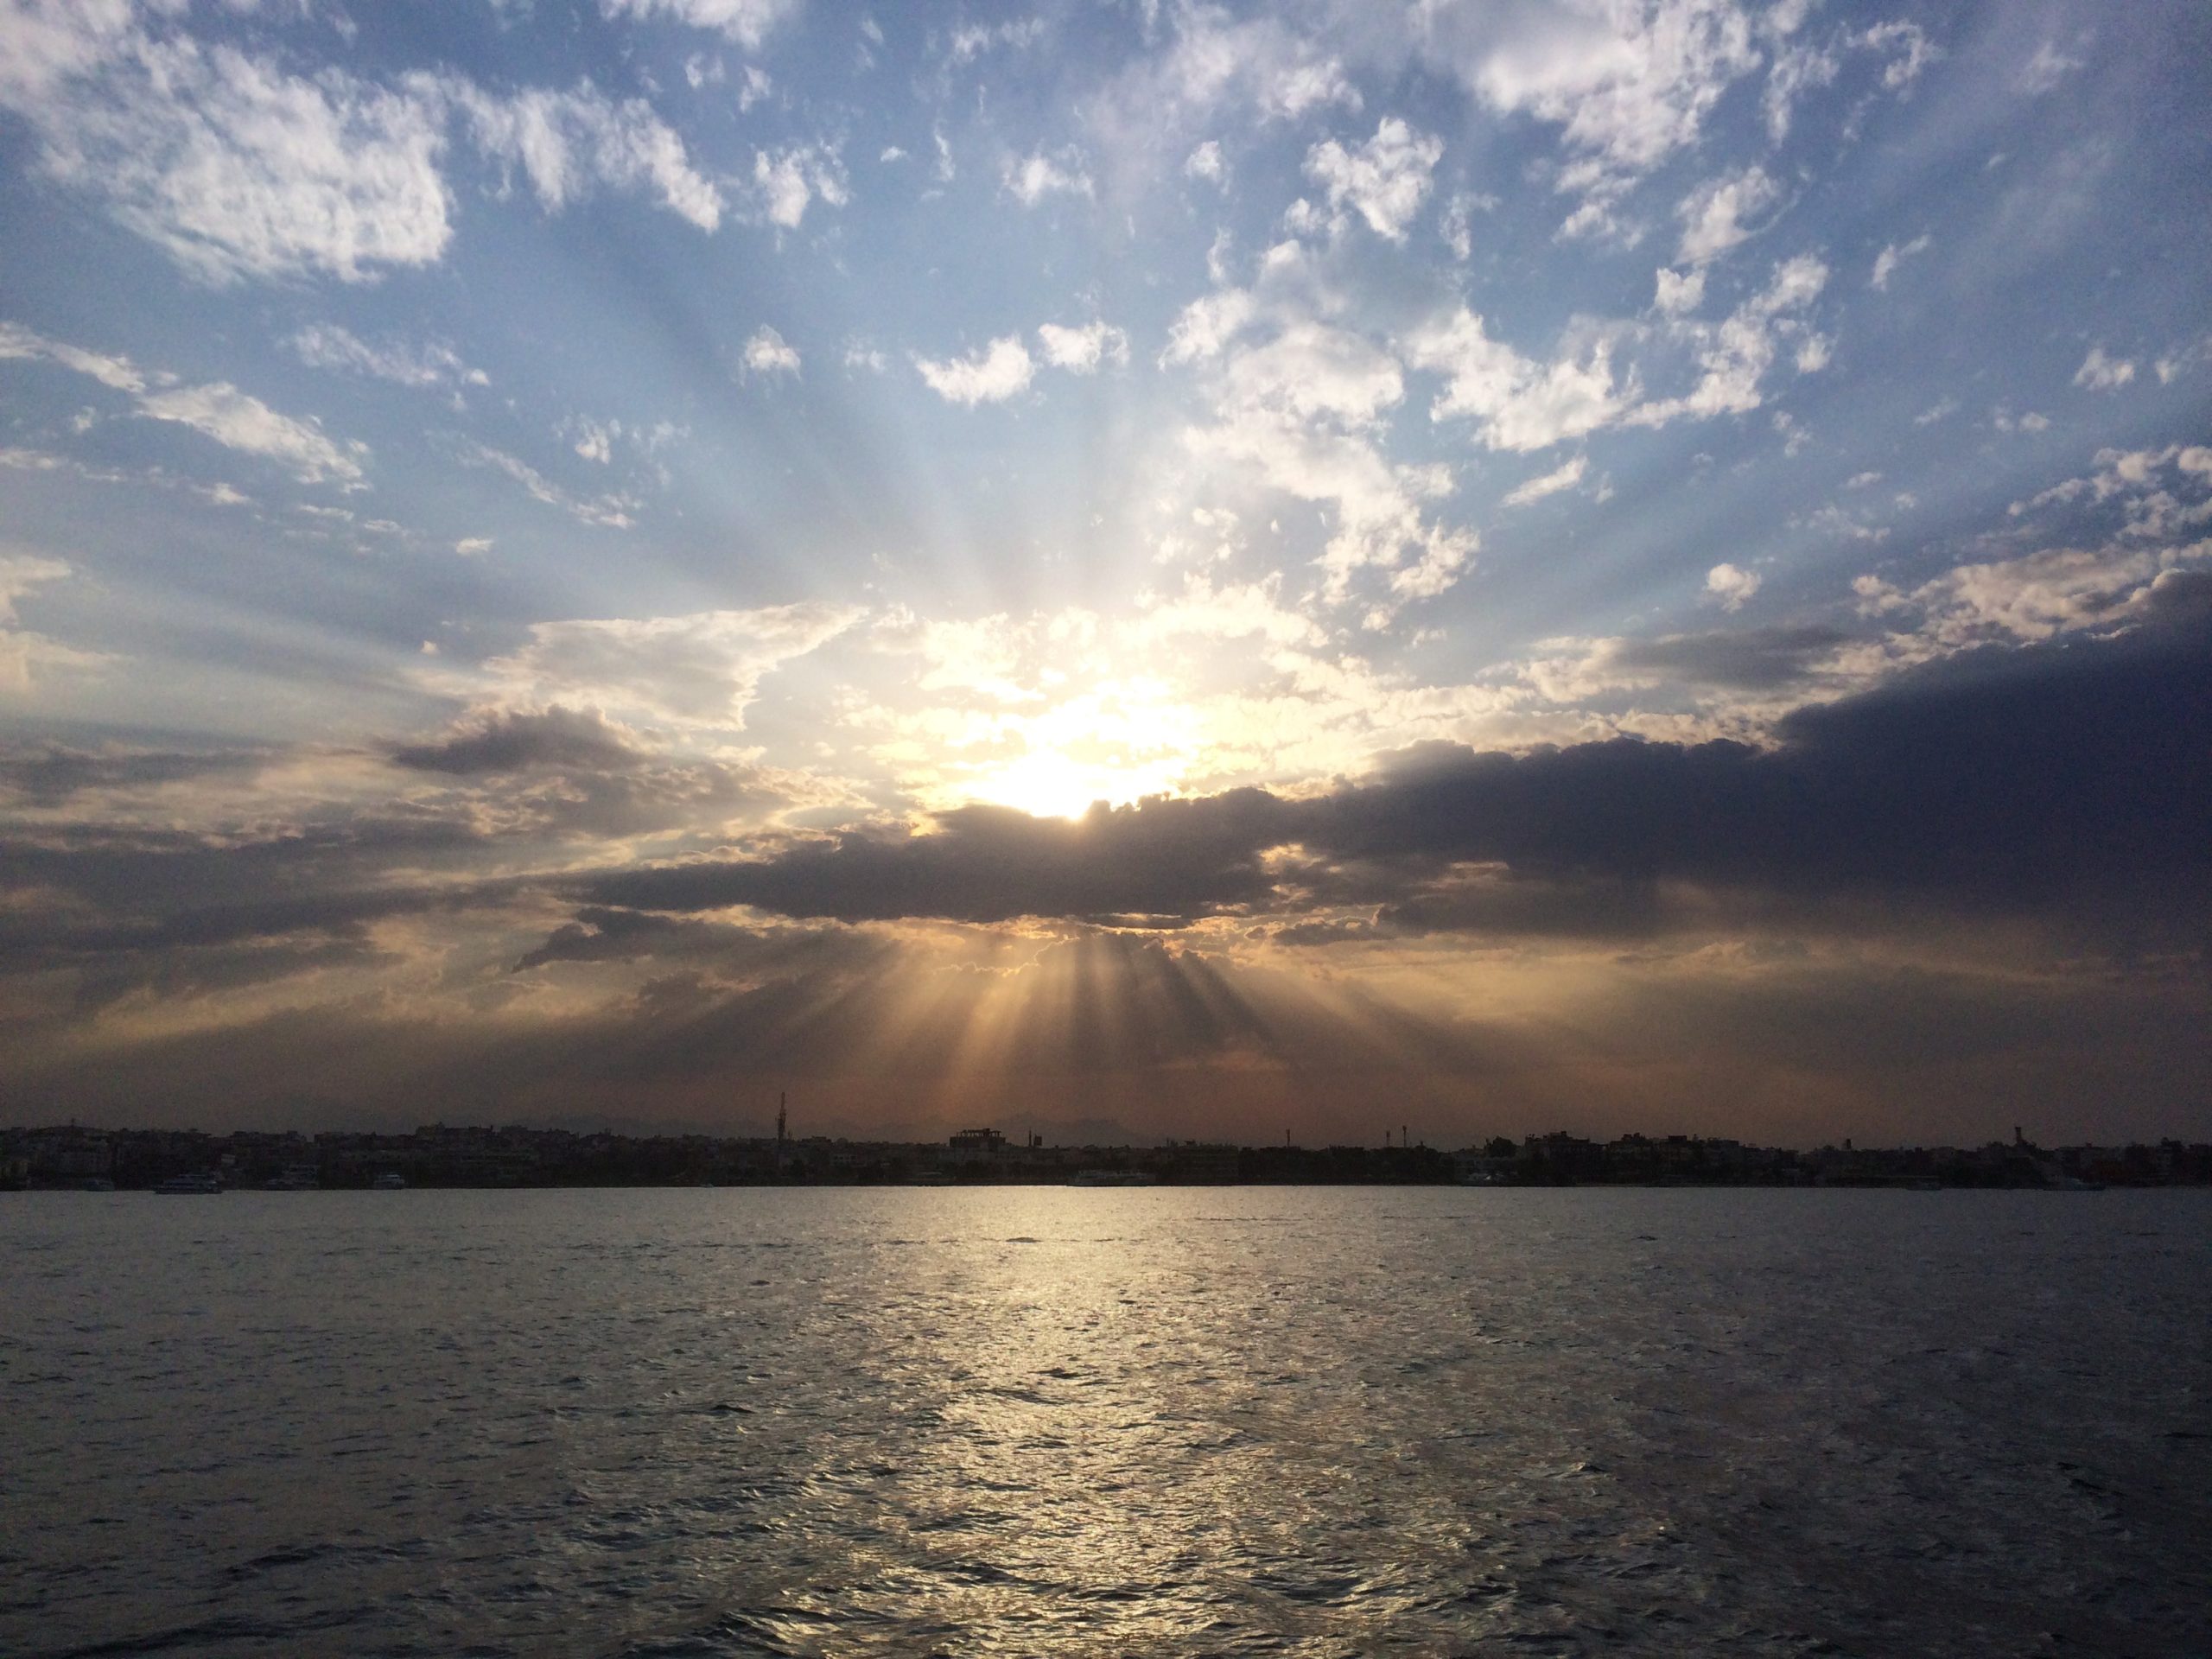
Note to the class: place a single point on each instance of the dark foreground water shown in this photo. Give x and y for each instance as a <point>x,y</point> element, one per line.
<point>1036,1421</point>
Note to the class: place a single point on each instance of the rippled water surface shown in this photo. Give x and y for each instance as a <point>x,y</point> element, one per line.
<point>1031,1420</point>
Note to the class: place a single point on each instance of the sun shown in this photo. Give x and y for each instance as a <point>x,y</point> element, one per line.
<point>1116,744</point>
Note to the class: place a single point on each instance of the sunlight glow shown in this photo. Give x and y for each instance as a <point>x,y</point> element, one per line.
<point>1116,743</point>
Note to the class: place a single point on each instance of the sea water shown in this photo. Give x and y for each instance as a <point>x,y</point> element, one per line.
<point>1042,1421</point>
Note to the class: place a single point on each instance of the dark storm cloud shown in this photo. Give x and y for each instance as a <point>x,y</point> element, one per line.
<point>581,739</point>
<point>52,773</point>
<point>992,864</point>
<point>2023,778</point>
<point>1736,659</point>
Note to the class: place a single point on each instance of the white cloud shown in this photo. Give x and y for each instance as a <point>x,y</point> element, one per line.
<point>1519,403</point>
<point>220,411</point>
<point>1207,324</point>
<point>1385,179</point>
<point>1794,72</point>
<point>1713,215</point>
<point>747,22</point>
<point>2175,364</point>
<point>1303,410</point>
<point>700,670</point>
<point>990,376</point>
<point>1886,262</point>
<point>240,421</point>
<point>785,181</point>
<point>470,546</point>
<point>1037,176</point>
<point>2154,487</point>
<point>1678,293</point>
<point>1911,49</point>
<point>1734,358</point>
<point>1457,227</point>
<point>566,141</point>
<point>596,442</point>
<point>767,352</point>
<point>2046,69</point>
<point>613,511</point>
<point>2038,596</point>
<point>1081,351</point>
<point>1731,585</point>
<point>970,40</point>
<point>2101,373</point>
<point>238,167</point>
<point>118,372</point>
<point>1205,163</point>
<point>1565,478</point>
<point>20,573</point>
<point>327,345</point>
<point>1294,89</point>
<point>25,656</point>
<point>1627,82</point>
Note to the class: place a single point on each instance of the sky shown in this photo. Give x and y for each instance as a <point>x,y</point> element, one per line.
<point>1118,567</point>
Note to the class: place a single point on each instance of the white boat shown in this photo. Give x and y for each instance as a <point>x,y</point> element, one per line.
<point>391,1181</point>
<point>1113,1177</point>
<point>198,1181</point>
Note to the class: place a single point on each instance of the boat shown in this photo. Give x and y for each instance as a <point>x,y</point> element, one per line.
<point>299,1178</point>
<point>1113,1177</point>
<point>929,1177</point>
<point>197,1181</point>
<point>391,1181</point>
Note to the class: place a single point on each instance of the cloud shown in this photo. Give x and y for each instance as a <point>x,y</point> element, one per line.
<point>786,180</point>
<point>1565,478</point>
<point>565,141</point>
<point>1626,84</point>
<point>515,740</point>
<point>239,421</point>
<point>118,372</point>
<point>1207,324</point>
<point>2101,373</point>
<point>613,511</point>
<point>238,167</point>
<point>990,376</point>
<point>702,669</point>
<point>1519,404</point>
<point>1385,179</point>
<point>2019,779</point>
<point>1303,409</point>
<point>1734,358</point>
<point>768,353</point>
<point>1887,261</point>
<point>25,656</point>
<point>1713,215</point>
<point>1732,587</point>
<point>220,411</point>
<point>1030,178</point>
<point>744,23</point>
<point>2046,69</point>
<point>327,346</point>
<point>1081,350</point>
<point>1205,163</point>
<point>970,40</point>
